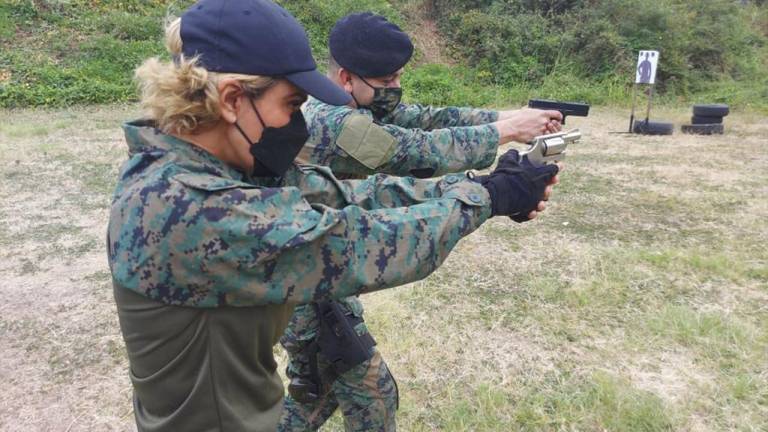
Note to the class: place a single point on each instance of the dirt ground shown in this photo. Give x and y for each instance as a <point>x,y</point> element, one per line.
<point>639,301</point>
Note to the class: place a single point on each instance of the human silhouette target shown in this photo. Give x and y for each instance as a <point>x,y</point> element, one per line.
<point>647,62</point>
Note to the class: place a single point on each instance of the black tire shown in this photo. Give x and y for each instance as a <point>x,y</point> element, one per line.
<point>653,128</point>
<point>712,110</point>
<point>704,129</point>
<point>700,120</point>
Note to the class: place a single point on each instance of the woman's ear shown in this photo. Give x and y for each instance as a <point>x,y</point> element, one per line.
<point>230,94</point>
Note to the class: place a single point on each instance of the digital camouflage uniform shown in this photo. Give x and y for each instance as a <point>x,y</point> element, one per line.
<point>207,263</point>
<point>412,140</point>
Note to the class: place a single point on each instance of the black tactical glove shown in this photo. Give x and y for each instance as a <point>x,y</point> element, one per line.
<point>516,186</point>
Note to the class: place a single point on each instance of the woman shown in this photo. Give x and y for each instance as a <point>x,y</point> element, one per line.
<point>214,234</point>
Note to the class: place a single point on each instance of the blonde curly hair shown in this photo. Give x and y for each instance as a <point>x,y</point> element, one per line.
<point>181,96</point>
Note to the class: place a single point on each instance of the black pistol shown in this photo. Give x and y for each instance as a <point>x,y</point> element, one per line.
<point>565,108</point>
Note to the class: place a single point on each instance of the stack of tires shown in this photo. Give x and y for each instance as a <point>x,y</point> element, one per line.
<point>707,120</point>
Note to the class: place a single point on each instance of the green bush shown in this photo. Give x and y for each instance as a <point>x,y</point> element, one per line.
<point>82,51</point>
<point>441,85</point>
<point>76,52</point>
<point>7,28</point>
<point>85,51</point>
<point>512,48</point>
<point>127,26</point>
<point>535,43</point>
<point>319,16</point>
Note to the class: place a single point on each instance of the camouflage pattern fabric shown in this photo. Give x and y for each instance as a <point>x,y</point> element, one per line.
<point>186,229</point>
<point>443,140</point>
<point>304,328</point>
<point>447,139</point>
<point>367,396</point>
<point>430,118</point>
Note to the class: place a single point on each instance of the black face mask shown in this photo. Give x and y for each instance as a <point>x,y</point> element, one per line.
<point>274,153</point>
<point>385,100</point>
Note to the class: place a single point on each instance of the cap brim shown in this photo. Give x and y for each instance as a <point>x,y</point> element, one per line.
<point>320,87</point>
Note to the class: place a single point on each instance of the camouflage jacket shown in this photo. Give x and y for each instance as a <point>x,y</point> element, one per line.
<point>187,229</point>
<point>412,141</point>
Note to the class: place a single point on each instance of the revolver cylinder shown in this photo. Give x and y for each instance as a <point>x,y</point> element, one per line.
<point>550,148</point>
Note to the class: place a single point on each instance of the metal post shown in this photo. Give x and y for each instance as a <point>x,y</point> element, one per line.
<point>632,116</point>
<point>650,97</point>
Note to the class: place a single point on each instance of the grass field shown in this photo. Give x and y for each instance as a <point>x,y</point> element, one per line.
<point>638,302</point>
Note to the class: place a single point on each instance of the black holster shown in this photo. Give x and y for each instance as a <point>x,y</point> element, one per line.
<point>338,343</point>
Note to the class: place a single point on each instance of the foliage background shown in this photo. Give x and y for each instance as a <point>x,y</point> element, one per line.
<point>498,52</point>
<point>650,315</point>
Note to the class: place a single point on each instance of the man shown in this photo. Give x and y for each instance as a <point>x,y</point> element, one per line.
<point>377,134</point>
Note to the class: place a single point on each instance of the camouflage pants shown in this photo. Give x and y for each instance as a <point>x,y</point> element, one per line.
<point>366,394</point>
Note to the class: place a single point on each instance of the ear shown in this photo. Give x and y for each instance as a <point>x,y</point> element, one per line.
<point>230,100</point>
<point>345,78</point>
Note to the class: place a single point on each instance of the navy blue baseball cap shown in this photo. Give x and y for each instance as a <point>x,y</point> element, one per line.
<point>368,45</point>
<point>255,37</point>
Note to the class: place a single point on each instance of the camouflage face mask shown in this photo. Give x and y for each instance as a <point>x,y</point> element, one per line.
<point>385,100</point>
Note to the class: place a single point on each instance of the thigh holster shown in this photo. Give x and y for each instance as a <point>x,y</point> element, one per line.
<point>339,344</point>
<point>338,340</point>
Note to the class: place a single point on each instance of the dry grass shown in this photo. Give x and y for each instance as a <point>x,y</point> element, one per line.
<point>637,302</point>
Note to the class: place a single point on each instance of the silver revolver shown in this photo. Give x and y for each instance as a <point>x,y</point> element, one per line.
<point>546,149</point>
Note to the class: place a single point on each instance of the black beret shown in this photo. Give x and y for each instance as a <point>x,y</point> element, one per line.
<point>368,45</point>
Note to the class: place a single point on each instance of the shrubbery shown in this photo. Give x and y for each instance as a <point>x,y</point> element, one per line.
<point>703,43</point>
<point>319,16</point>
<point>84,51</point>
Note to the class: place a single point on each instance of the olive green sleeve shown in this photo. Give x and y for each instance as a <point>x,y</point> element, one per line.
<point>365,141</point>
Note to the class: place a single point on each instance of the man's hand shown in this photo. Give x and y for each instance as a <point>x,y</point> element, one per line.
<point>526,123</point>
<point>547,192</point>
